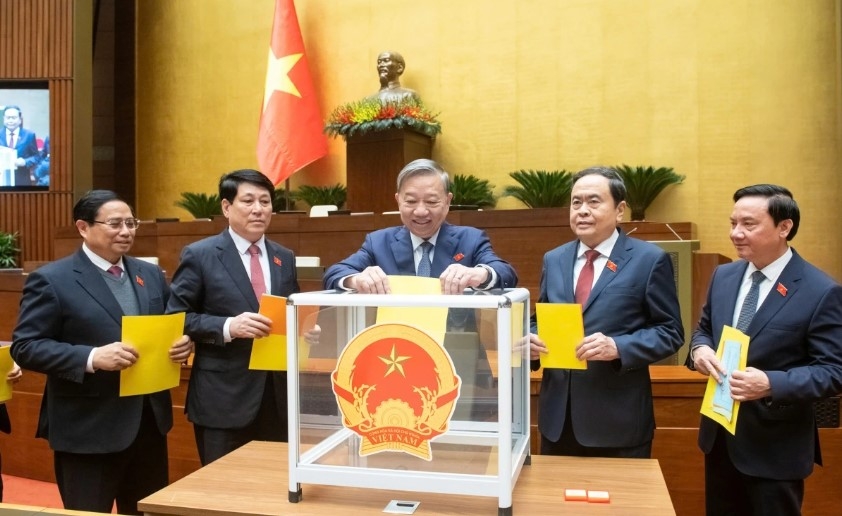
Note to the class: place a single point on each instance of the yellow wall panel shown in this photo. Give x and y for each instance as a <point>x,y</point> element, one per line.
<point>727,92</point>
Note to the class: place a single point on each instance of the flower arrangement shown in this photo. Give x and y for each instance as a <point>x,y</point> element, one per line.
<point>369,115</point>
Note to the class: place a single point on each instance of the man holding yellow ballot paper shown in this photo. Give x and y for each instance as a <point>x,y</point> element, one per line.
<point>107,447</point>
<point>792,314</point>
<point>631,319</point>
<point>219,283</point>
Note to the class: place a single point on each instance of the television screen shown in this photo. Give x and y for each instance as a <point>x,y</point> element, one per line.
<point>25,135</point>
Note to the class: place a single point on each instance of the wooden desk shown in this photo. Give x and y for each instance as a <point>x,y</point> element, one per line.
<point>253,481</point>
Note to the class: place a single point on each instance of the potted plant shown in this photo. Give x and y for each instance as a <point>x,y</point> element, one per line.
<point>541,188</point>
<point>643,184</point>
<point>8,250</point>
<point>200,205</point>
<point>283,202</point>
<point>321,195</point>
<point>469,190</point>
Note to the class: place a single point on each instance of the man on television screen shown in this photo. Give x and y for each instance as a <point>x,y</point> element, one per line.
<point>14,136</point>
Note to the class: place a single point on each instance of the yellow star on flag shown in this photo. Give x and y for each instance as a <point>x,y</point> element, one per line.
<point>277,76</point>
<point>394,363</point>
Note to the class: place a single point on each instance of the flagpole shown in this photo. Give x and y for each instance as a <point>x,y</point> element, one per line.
<point>286,194</point>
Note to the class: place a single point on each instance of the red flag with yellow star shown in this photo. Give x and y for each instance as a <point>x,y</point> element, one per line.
<point>290,135</point>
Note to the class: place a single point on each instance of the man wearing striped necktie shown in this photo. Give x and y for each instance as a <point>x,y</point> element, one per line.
<point>792,313</point>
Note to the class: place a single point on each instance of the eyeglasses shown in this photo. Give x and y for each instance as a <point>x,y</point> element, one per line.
<point>118,223</point>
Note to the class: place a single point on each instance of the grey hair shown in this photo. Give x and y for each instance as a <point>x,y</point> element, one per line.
<point>423,167</point>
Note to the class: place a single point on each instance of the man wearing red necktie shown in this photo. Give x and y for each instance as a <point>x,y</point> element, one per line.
<point>107,447</point>
<point>23,141</point>
<point>218,284</point>
<point>632,319</point>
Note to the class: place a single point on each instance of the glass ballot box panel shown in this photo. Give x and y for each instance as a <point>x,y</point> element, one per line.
<point>409,392</point>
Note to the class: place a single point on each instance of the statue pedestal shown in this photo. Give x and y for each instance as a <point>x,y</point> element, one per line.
<point>373,162</point>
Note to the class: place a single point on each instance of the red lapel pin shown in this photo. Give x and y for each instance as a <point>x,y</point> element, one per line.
<point>781,289</point>
<point>458,256</point>
<point>139,280</point>
<point>611,265</point>
<point>277,261</point>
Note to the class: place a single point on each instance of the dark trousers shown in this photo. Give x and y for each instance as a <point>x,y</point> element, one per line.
<point>269,425</point>
<point>731,493</point>
<point>93,481</point>
<point>568,445</point>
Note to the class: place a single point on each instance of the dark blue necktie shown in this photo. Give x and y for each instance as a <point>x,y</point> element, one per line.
<point>750,303</point>
<point>425,266</point>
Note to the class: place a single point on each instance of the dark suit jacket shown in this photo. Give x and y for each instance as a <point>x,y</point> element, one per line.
<point>5,423</point>
<point>637,306</point>
<point>796,339</point>
<point>391,250</point>
<point>66,308</point>
<point>27,148</point>
<point>212,285</point>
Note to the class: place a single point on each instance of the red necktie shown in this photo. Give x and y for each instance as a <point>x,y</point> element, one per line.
<point>11,140</point>
<point>116,271</point>
<point>583,286</point>
<point>258,284</point>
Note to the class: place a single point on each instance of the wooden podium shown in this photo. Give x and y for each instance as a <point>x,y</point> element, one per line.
<point>373,162</point>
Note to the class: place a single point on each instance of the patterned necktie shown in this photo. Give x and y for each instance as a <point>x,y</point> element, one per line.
<point>116,271</point>
<point>750,302</point>
<point>425,266</point>
<point>585,282</point>
<point>258,283</point>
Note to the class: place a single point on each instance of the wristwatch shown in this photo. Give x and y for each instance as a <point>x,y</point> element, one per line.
<point>487,283</point>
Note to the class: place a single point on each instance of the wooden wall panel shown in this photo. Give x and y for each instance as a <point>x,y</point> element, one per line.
<point>36,39</point>
<point>36,43</point>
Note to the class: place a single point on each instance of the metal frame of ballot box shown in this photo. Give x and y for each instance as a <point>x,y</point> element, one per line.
<point>477,454</point>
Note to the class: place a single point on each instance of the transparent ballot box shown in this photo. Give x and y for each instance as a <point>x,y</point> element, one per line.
<point>426,393</point>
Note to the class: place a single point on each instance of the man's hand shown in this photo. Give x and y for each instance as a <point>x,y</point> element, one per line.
<point>114,357</point>
<point>370,281</point>
<point>181,349</point>
<point>456,278</point>
<point>249,325</point>
<point>751,384</point>
<point>536,347</point>
<point>597,347</point>
<point>705,362</point>
<point>15,374</point>
<point>312,335</point>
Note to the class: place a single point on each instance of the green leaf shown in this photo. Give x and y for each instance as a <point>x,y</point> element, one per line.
<point>472,191</point>
<point>643,184</point>
<point>540,188</point>
<point>200,205</point>
<point>319,195</point>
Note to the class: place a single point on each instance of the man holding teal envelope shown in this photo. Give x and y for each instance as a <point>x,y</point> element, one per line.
<point>631,319</point>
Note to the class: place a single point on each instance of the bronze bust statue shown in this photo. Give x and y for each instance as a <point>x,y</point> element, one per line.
<point>390,66</point>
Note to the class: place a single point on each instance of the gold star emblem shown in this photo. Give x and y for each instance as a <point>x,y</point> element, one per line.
<point>394,363</point>
<point>277,76</point>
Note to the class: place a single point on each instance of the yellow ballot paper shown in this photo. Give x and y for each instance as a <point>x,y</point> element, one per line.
<point>561,328</point>
<point>6,364</point>
<point>152,336</point>
<point>717,403</point>
<point>432,320</point>
<point>270,353</point>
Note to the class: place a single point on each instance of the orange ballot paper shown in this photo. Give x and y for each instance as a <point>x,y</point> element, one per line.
<point>561,328</point>
<point>432,320</point>
<point>270,353</point>
<point>152,336</point>
<point>6,364</point>
<point>718,403</point>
